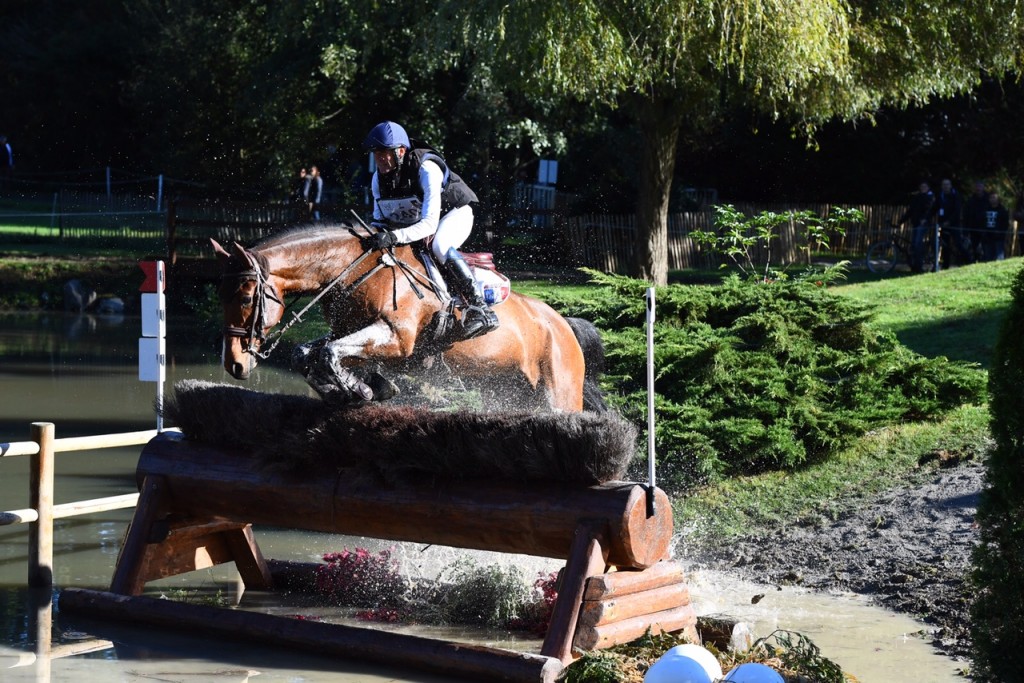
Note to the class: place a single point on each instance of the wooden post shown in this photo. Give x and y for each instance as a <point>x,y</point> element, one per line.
<point>127,578</point>
<point>588,556</point>
<point>40,534</point>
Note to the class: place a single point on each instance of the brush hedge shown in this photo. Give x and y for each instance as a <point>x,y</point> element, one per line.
<point>752,376</point>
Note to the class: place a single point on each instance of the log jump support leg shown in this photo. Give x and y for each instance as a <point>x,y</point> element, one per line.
<point>158,545</point>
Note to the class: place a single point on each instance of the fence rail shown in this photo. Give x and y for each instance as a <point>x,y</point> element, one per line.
<point>42,511</point>
<point>606,242</point>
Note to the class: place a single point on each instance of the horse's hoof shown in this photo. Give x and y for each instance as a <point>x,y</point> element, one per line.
<point>383,389</point>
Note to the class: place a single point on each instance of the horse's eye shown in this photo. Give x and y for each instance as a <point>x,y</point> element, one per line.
<point>247,301</point>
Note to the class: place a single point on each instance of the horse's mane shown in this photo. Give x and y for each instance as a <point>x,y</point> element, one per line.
<point>340,230</point>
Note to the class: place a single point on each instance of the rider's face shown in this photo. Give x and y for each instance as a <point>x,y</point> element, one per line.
<point>387,159</point>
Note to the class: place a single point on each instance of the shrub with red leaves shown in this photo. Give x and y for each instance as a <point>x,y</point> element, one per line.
<point>360,578</point>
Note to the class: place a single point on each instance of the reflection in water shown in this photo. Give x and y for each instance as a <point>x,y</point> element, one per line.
<point>82,375</point>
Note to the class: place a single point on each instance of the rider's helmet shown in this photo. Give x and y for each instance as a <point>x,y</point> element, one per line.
<point>387,136</point>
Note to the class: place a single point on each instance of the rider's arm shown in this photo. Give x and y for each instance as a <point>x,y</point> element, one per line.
<point>431,177</point>
<point>375,193</point>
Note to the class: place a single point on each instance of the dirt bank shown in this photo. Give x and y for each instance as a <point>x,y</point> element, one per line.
<point>909,549</point>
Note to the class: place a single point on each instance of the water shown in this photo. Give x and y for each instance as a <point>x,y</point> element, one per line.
<point>82,375</point>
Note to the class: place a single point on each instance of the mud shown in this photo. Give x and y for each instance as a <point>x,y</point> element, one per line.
<point>909,549</point>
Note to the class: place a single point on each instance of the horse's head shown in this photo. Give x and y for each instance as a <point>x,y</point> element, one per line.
<point>252,306</point>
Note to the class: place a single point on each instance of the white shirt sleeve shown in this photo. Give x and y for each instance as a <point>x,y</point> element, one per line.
<point>431,177</point>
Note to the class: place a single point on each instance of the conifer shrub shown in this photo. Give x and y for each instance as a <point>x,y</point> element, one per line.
<point>754,375</point>
<point>998,610</point>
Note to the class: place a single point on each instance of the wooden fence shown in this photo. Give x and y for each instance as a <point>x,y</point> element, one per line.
<point>603,242</point>
<point>41,515</point>
<point>191,223</point>
<point>607,242</point>
<point>42,511</point>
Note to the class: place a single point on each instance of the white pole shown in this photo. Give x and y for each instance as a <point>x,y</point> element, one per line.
<point>651,481</point>
<point>53,211</point>
<point>159,191</point>
<point>163,363</point>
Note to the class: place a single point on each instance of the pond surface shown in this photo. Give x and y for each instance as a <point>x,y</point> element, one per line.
<point>81,373</point>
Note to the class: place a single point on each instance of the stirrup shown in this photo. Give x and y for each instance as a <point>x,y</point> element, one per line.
<point>477,321</point>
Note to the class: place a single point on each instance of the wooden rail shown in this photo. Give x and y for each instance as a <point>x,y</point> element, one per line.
<point>42,448</point>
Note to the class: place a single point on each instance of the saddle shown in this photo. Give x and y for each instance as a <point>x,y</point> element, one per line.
<point>494,286</point>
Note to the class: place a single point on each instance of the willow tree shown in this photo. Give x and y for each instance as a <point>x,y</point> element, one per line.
<point>670,63</point>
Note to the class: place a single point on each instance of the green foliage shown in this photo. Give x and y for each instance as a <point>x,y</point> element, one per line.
<point>998,610</point>
<point>491,595</point>
<point>754,376</point>
<point>741,239</point>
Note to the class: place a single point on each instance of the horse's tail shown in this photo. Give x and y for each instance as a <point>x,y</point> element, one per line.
<point>593,356</point>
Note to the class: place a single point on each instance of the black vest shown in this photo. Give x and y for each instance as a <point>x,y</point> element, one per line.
<point>406,181</point>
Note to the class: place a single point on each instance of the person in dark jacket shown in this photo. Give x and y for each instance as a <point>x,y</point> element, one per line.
<point>974,219</point>
<point>918,215</point>
<point>946,212</point>
<point>416,196</point>
<point>997,223</point>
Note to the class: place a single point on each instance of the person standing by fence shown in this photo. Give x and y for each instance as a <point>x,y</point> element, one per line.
<point>946,212</point>
<point>918,215</point>
<point>997,223</point>
<point>6,162</point>
<point>974,219</point>
<point>314,192</point>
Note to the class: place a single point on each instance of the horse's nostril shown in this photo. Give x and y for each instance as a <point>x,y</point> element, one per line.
<point>239,371</point>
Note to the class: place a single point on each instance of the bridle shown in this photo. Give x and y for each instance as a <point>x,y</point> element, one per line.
<point>263,291</point>
<point>256,272</point>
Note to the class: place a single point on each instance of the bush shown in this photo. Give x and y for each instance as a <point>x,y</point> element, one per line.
<point>754,375</point>
<point>998,610</point>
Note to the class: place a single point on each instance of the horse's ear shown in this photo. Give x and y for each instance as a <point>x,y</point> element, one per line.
<point>219,251</point>
<point>239,251</point>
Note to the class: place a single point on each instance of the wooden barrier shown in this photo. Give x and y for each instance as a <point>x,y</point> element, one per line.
<point>197,504</point>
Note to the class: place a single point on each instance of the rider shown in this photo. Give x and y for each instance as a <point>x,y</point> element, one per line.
<point>414,189</point>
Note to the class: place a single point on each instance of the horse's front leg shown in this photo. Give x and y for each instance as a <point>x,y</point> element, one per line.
<point>333,376</point>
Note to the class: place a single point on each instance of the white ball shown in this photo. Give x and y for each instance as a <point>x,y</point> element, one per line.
<point>703,657</point>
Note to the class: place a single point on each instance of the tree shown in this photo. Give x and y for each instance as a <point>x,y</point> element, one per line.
<point>676,63</point>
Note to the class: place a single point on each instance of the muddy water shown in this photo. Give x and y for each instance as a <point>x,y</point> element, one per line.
<point>81,374</point>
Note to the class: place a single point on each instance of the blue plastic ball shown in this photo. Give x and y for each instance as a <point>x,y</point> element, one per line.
<point>754,673</point>
<point>676,669</point>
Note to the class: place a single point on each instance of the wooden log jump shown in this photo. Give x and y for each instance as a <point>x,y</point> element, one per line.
<point>198,503</point>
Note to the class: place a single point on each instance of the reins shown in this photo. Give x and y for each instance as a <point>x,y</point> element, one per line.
<point>254,331</point>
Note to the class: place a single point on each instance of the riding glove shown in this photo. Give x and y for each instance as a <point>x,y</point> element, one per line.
<point>382,239</point>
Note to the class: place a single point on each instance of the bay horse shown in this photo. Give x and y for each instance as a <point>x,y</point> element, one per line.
<point>385,313</point>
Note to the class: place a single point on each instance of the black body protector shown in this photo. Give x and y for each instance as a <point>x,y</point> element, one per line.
<point>401,202</point>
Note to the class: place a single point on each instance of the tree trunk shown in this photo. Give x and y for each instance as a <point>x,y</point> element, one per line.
<point>660,122</point>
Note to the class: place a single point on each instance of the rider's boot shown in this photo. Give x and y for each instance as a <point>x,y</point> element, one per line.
<point>477,316</point>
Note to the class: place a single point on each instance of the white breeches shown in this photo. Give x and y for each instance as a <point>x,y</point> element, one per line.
<point>452,231</point>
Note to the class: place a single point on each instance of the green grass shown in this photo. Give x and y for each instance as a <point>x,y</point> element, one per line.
<point>954,313</point>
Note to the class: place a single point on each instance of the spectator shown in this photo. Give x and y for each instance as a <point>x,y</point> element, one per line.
<point>917,215</point>
<point>301,189</point>
<point>1018,219</point>
<point>6,161</point>
<point>974,219</point>
<point>314,192</point>
<point>997,223</point>
<point>946,212</point>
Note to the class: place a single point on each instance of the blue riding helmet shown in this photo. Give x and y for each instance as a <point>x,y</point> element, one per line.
<point>386,135</point>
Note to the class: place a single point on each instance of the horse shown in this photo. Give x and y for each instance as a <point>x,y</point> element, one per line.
<point>386,313</point>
